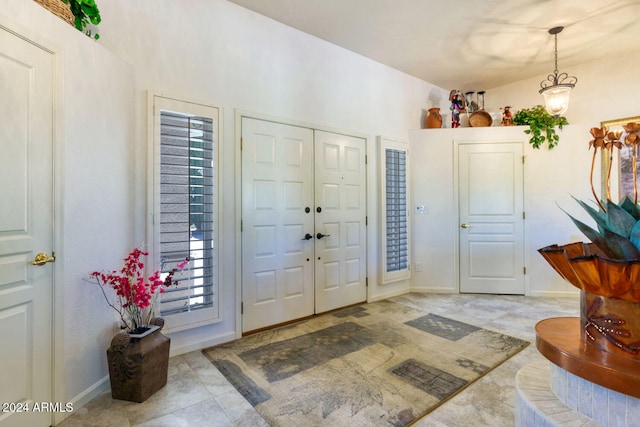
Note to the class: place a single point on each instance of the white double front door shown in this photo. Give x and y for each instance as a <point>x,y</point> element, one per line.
<point>26,228</point>
<point>303,222</point>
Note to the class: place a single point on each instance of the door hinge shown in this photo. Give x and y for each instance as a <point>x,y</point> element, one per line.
<point>240,144</point>
<point>366,282</point>
<point>523,159</point>
<point>241,226</point>
<point>523,215</point>
<point>242,307</point>
<point>524,270</point>
<point>366,220</point>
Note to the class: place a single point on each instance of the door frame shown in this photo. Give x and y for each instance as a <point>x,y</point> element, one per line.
<point>57,291</point>
<point>370,205</point>
<point>456,204</point>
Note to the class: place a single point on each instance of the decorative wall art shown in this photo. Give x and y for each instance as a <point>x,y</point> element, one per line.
<point>622,161</point>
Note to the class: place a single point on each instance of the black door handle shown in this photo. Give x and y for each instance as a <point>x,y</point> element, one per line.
<point>320,235</point>
<point>307,237</point>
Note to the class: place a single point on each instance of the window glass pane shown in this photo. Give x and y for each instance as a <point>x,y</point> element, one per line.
<point>187,227</point>
<point>396,209</point>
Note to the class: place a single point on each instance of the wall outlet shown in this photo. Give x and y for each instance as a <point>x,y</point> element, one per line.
<point>419,266</point>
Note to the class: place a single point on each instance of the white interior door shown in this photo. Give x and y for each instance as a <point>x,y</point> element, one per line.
<point>26,228</point>
<point>491,210</point>
<point>277,214</point>
<point>340,271</point>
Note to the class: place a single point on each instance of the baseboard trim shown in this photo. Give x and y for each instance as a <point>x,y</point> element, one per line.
<point>432,290</point>
<point>99,387</point>
<point>556,294</point>
<point>83,398</point>
<point>200,344</point>
<point>380,297</point>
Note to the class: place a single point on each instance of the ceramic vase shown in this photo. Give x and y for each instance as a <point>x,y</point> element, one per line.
<point>138,364</point>
<point>434,119</point>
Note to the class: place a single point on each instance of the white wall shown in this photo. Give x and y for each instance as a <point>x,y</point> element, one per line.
<point>551,178</point>
<point>606,90</point>
<point>94,198</point>
<point>216,52</point>
<point>211,51</point>
<point>219,53</point>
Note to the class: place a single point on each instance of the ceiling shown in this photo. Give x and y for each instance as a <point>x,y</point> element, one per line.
<point>466,44</point>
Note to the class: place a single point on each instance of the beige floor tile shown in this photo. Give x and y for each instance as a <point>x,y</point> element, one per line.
<point>197,394</point>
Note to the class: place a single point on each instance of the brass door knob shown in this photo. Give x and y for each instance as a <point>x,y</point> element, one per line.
<point>42,258</point>
<point>465,225</point>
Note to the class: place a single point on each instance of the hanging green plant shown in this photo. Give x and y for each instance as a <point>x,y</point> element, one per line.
<point>85,12</point>
<point>541,125</point>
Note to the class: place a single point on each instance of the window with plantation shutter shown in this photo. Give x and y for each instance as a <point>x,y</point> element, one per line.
<point>394,210</point>
<point>185,210</point>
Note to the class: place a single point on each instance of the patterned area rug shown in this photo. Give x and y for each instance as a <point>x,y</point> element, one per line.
<point>374,364</point>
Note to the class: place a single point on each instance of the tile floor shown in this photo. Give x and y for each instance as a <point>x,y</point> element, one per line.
<point>198,395</point>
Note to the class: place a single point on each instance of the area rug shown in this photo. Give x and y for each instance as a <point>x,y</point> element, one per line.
<point>374,364</point>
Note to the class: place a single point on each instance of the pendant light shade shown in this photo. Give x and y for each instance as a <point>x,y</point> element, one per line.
<point>556,99</point>
<point>557,87</point>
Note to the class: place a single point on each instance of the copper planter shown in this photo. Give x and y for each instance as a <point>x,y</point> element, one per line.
<point>610,297</point>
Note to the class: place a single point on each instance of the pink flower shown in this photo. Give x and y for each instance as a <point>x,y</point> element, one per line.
<point>136,296</point>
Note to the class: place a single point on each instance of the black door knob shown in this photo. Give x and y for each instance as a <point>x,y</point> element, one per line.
<point>320,235</point>
<point>307,237</point>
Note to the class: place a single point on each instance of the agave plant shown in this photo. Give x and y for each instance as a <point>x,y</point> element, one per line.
<point>618,225</point>
<point>607,270</point>
<point>618,233</point>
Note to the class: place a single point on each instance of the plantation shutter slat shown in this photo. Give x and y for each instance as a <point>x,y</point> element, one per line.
<point>396,210</point>
<point>187,210</point>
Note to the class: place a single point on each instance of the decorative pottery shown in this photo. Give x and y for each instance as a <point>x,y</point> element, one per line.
<point>480,119</point>
<point>434,119</point>
<point>139,363</point>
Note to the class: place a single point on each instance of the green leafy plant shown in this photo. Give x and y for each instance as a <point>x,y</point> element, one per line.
<point>541,125</point>
<point>85,12</point>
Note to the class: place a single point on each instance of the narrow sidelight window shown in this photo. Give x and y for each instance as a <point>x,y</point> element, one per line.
<point>185,210</point>
<point>394,210</point>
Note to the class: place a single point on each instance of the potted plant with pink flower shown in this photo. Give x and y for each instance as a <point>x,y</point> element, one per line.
<point>136,294</point>
<point>139,355</point>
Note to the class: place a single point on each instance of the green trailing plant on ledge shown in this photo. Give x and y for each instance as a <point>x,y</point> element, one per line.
<point>85,12</point>
<point>541,125</point>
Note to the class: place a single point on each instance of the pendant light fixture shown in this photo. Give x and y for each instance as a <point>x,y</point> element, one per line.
<point>557,87</point>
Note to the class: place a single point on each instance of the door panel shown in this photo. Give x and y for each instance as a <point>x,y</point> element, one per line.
<point>26,227</point>
<point>298,261</point>
<point>491,206</point>
<point>277,186</point>
<point>340,271</point>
